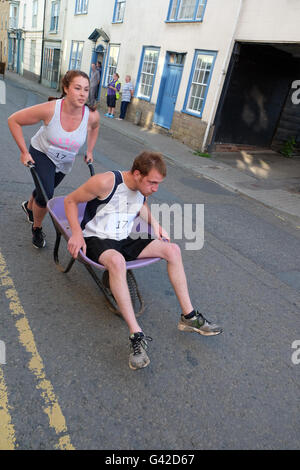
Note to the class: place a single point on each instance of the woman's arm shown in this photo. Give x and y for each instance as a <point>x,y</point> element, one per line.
<point>92,136</point>
<point>28,117</point>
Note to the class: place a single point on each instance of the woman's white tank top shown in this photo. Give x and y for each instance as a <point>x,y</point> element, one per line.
<point>59,145</point>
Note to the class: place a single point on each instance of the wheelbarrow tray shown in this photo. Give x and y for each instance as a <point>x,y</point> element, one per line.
<point>57,212</point>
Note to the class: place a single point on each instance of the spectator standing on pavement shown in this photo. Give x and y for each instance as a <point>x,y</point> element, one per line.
<point>94,85</point>
<point>99,68</point>
<point>127,94</point>
<point>67,122</point>
<point>113,93</point>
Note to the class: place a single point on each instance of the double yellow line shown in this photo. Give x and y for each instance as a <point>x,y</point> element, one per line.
<point>51,406</point>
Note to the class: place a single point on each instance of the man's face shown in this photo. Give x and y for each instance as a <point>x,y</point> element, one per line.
<point>148,184</point>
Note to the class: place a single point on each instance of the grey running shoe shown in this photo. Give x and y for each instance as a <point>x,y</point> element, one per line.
<point>199,324</point>
<point>138,357</point>
<point>27,211</point>
<point>38,237</point>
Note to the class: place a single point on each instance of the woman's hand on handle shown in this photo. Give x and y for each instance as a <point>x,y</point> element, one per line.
<point>88,158</point>
<point>26,158</point>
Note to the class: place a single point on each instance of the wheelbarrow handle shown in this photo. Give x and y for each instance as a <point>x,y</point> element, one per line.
<point>37,180</point>
<point>90,165</point>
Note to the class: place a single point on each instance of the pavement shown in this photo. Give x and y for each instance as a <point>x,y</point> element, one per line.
<point>260,174</point>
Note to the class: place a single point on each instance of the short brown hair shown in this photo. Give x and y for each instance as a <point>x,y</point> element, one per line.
<point>147,160</point>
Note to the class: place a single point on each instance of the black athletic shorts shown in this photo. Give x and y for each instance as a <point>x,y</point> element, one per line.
<point>130,248</point>
<point>111,101</point>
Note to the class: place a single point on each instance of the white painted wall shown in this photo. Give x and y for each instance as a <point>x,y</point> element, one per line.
<point>32,33</point>
<point>270,21</point>
<point>145,25</point>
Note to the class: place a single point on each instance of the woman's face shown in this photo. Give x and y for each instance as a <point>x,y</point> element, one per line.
<point>78,91</point>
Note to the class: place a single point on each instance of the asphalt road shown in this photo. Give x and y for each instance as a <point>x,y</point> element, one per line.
<point>66,382</point>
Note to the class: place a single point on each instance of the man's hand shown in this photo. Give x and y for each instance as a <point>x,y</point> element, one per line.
<point>161,234</point>
<point>75,243</point>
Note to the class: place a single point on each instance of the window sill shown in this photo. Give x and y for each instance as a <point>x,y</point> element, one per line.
<point>143,98</point>
<point>190,113</point>
<point>184,21</point>
<point>77,13</point>
<point>117,22</point>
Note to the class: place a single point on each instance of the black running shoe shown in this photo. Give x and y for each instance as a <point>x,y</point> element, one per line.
<point>38,237</point>
<point>27,211</point>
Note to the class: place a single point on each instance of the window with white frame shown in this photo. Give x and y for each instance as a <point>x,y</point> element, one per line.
<point>76,55</point>
<point>34,13</point>
<point>81,6</point>
<point>119,11</point>
<point>112,62</point>
<point>199,82</point>
<point>13,15</point>
<point>54,15</point>
<point>186,10</point>
<point>147,72</point>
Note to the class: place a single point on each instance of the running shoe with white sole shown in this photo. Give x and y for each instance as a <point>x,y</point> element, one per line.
<point>138,357</point>
<point>38,237</point>
<point>27,211</point>
<point>199,324</point>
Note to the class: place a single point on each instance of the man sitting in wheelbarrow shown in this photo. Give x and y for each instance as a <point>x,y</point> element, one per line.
<point>114,199</point>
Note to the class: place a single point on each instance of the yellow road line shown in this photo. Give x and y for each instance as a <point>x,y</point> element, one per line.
<point>35,365</point>
<point>7,432</point>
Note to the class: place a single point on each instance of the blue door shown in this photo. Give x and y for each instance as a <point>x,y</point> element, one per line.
<point>168,95</point>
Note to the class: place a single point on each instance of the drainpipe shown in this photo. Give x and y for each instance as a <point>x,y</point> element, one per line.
<point>43,42</point>
<point>62,37</point>
<point>222,76</point>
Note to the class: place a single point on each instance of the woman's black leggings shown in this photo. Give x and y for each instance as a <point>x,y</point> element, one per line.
<point>45,168</point>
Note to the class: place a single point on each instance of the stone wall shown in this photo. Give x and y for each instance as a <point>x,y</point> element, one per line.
<point>185,128</point>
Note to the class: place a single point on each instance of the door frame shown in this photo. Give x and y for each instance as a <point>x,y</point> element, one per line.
<point>163,80</point>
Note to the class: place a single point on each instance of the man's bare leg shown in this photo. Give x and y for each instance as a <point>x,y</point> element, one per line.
<point>116,266</point>
<point>171,253</point>
<point>190,320</point>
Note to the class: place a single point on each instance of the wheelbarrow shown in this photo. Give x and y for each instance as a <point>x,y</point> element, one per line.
<point>97,271</point>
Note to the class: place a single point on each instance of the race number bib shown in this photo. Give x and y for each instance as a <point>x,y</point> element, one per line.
<point>118,226</point>
<point>60,156</point>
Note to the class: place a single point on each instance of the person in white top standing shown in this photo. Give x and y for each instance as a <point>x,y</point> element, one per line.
<point>67,122</point>
<point>127,94</point>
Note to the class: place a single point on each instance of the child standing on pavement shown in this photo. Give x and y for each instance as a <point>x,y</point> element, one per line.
<point>67,122</point>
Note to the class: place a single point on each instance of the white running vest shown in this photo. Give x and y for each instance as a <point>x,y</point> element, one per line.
<point>59,145</point>
<point>114,216</point>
